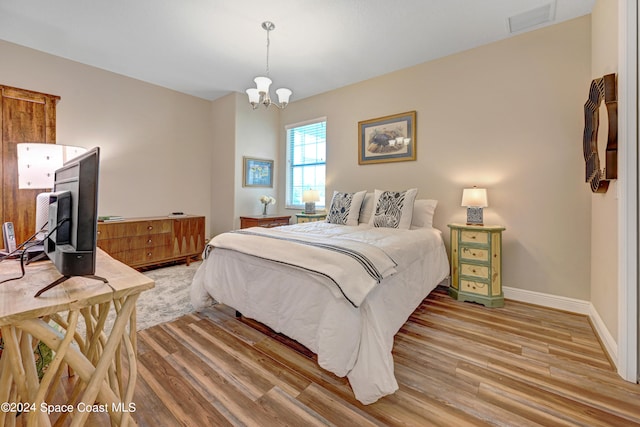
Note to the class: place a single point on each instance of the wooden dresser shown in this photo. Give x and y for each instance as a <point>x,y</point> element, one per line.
<point>266,221</point>
<point>151,241</point>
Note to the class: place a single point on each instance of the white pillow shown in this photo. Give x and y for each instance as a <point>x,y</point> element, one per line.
<point>393,209</point>
<point>423,211</point>
<point>345,208</point>
<point>367,209</point>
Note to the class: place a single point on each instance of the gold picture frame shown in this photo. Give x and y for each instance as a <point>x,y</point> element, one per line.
<point>387,139</point>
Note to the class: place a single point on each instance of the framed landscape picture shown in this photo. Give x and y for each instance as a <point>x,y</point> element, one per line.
<point>387,139</point>
<point>257,172</point>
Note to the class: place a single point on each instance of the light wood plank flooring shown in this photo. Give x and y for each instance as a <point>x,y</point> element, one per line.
<point>457,364</point>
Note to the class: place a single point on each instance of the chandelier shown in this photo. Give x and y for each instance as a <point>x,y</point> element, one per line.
<point>260,94</point>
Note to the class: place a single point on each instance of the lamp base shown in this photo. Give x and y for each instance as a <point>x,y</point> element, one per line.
<point>474,216</point>
<point>310,207</point>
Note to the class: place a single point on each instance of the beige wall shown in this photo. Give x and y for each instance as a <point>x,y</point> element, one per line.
<point>223,117</point>
<point>155,143</point>
<point>256,137</point>
<point>507,116</point>
<point>240,131</point>
<point>604,207</point>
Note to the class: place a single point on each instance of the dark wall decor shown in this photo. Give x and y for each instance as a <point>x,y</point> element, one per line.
<point>602,89</point>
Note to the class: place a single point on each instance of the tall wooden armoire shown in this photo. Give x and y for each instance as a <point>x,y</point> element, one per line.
<point>27,116</point>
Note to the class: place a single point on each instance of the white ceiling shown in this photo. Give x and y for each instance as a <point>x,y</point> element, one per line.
<point>208,48</point>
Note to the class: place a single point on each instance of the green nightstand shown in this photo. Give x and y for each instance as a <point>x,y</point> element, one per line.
<point>476,264</point>
<point>303,217</point>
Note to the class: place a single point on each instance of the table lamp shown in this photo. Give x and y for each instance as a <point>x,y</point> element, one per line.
<point>474,199</point>
<point>310,197</point>
<point>37,164</point>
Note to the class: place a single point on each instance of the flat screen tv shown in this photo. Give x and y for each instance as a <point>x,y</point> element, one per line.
<point>73,218</point>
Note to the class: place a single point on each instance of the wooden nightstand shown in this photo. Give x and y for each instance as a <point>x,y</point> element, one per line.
<point>303,217</point>
<point>266,221</point>
<point>476,264</point>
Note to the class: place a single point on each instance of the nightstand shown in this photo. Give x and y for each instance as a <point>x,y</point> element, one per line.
<point>266,221</point>
<point>476,264</point>
<point>303,217</point>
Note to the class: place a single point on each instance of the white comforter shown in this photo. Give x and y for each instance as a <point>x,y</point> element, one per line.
<point>307,306</point>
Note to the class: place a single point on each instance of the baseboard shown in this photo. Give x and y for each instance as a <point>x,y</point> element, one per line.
<point>572,305</point>
<point>547,300</point>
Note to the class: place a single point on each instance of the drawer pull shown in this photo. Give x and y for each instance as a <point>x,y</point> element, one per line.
<point>149,241</point>
<point>150,227</point>
<point>148,254</point>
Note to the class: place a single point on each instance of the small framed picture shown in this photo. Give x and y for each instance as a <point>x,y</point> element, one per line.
<point>257,172</point>
<point>387,139</point>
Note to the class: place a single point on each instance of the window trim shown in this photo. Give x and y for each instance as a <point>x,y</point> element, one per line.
<point>288,155</point>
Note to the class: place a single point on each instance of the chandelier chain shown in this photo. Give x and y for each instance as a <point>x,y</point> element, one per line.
<point>268,43</point>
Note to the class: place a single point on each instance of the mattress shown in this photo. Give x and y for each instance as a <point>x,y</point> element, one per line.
<point>350,340</point>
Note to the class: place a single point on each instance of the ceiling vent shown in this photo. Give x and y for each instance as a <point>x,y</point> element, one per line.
<point>532,18</point>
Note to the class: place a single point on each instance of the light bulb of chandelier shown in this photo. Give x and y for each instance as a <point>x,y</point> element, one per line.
<point>262,83</point>
<point>254,97</point>
<point>283,96</point>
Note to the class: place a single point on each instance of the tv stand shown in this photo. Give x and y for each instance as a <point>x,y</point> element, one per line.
<point>64,279</point>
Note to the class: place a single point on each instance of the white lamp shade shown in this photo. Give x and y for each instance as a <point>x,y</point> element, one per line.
<point>254,95</point>
<point>283,95</point>
<point>262,83</point>
<point>475,197</point>
<point>310,196</point>
<point>37,163</point>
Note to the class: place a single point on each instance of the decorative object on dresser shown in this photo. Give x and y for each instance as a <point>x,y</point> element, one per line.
<point>476,264</point>
<point>387,139</point>
<point>305,217</point>
<point>152,241</point>
<point>475,199</point>
<point>310,197</point>
<point>266,200</point>
<point>266,221</point>
<point>257,172</point>
<point>601,89</point>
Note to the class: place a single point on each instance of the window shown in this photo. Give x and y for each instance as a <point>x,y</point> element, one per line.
<point>306,160</point>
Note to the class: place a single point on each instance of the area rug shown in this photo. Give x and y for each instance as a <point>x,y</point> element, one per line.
<point>170,297</point>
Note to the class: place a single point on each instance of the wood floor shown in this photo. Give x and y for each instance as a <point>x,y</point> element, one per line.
<point>457,364</point>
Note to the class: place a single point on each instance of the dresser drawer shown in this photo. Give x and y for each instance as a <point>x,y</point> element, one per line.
<point>137,228</point>
<point>474,287</point>
<point>134,242</point>
<point>474,254</point>
<point>470,236</point>
<point>479,271</point>
<point>144,255</point>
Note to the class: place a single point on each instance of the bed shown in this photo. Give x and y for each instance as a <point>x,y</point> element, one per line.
<point>342,290</point>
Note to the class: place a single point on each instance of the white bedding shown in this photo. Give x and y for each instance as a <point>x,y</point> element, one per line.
<point>349,340</point>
